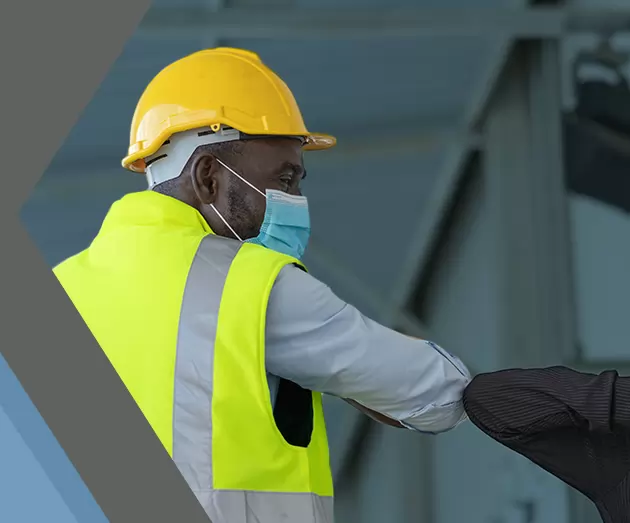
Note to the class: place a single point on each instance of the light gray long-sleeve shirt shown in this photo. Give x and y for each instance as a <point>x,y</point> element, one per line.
<point>321,343</point>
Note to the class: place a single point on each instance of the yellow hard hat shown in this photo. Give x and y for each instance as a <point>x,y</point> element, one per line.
<point>215,88</point>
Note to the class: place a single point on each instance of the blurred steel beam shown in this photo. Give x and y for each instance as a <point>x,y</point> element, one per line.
<point>427,230</point>
<point>281,23</point>
<point>421,141</point>
<point>343,275</point>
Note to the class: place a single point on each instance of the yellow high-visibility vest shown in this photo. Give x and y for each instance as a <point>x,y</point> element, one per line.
<point>180,313</point>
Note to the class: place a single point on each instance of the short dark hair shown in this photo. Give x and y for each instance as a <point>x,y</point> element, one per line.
<point>225,151</point>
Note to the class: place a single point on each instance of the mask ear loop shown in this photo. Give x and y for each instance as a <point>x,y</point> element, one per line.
<point>226,223</point>
<point>241,178</point>
<point>246,182</point>
<point>194,182</point>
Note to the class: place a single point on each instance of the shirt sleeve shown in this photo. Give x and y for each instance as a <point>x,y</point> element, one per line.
<point>324,344</point>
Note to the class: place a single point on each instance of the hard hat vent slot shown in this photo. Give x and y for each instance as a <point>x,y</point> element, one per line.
<point>153,160</point>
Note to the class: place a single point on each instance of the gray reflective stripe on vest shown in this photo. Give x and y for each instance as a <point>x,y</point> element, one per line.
<point>192,420</point>
<point>266,507</point>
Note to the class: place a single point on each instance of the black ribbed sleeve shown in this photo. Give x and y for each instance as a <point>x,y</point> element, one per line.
<point>572,424</point>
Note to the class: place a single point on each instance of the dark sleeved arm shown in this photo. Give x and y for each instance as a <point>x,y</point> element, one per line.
<point>574,425</point>
<point>521,402</point>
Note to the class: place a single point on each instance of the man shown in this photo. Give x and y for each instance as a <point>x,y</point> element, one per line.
<point>572,424</point>
<point>196,293</point>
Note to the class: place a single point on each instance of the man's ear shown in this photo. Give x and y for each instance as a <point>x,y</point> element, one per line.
<point>203,172</point>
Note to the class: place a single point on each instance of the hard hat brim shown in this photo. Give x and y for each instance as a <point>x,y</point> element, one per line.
<point>313,142</point>
<point>319,142</point>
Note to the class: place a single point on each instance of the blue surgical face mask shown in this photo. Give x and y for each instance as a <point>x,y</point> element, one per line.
<point>286,226</point>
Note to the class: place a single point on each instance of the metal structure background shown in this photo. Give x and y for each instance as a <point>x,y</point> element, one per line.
<point>442,212</point>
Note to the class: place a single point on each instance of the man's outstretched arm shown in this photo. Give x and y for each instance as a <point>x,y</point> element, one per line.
<point>323,344</point>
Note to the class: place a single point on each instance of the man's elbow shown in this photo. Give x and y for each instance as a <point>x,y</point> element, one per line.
<point>444,413</point>
<point>439,420</point>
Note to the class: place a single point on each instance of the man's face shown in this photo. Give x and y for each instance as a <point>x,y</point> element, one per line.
<point>274,163</point>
